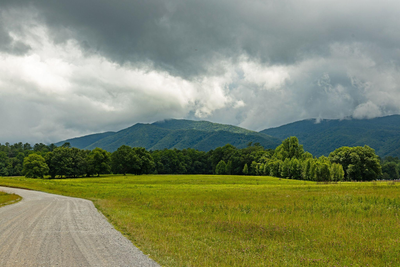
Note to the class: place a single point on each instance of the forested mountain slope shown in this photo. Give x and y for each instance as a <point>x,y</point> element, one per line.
<point>382,134</point>
<point>180,134</point>
<point>82,142</point>
<point>200,125</point>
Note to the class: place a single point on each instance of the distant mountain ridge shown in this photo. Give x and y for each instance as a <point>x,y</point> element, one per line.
<point>172,133</point>
<point>319,138</point>
<point>382,134</point>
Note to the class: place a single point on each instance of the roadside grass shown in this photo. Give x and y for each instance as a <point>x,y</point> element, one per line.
<point>205,220</point>
<point>6,199</point>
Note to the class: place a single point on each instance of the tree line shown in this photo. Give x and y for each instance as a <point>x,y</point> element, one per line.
<point>12,156</point>
<point>288,160</point>
<point>391,168</point>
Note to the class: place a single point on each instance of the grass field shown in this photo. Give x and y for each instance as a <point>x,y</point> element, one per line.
<point>245,221</point>
<point>6,199</point>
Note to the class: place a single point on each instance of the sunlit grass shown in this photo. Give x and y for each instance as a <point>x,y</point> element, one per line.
<point>6,199</point>
<point>245,221</point>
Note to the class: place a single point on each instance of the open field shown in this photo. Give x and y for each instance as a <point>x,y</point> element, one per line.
<point>6,199</point>
<point>245,221</point>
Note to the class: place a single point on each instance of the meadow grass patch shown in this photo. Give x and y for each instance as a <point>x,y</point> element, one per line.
<point>6,199</point>
<point>206,220</point>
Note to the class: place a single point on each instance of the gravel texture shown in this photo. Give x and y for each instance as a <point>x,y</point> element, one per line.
<point>51,230</point>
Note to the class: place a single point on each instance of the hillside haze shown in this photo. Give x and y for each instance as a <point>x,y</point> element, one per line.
<point>179,134</point>
<point>323,137</point>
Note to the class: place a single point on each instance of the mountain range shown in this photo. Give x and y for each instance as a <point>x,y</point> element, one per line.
<point>179,134</point>
<point>319,137</point>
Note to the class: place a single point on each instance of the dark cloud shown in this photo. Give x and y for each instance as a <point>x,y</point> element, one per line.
<point>185,36</point>
<point>8,44</point>
<point>251,63</point>
<point>175,35</point>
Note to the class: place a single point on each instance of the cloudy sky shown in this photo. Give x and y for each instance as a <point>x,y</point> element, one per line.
<point>72,67</point>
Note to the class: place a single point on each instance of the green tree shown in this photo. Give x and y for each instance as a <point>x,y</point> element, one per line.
<point>3,162</point>
<point>245,169</point>
<point>229,167</point>
<point>267,168</point>
<point>124,160</point>
<point>307,155</point>
<point>79,164</point>
<point>391,169</point>
<point>135,160</point>
<point>167,161</point>
<point>221,153</point>
<point>51,147</point>
<point>337,173</point>
<point>145,164</point>
<point>99,161</point>
<point>359,163</point>
<point>261,169</point>
<point>40,147</point>
<point>323,172</point>
<point>27,146</point>
<point>221,168</point>
<point>59,162</point>
<point>254,168</point>
<point>313,170</point>
<point>285,168</point>
<point>14,166</point>
<point>290,148</point>
<point>274,167</point>
<point>295,167</point>
<point>67,162</point>
<point>307,169</point>
<point>35,166</point>
<point>66,144</point>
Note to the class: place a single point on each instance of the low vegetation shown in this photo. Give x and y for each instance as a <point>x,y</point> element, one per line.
<point>288,160</point>
<point>225,220</point>
<point>6,199</point>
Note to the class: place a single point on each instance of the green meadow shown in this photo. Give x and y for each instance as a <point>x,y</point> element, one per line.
<point>6,199</point>
<point>205,220</point>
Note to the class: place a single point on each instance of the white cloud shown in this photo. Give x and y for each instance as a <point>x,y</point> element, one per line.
<point>68,92</point>
<point>348,81</point>
<point>367,110</point>
<point>265,77</point>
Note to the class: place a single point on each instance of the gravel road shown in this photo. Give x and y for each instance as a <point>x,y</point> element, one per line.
<point>51,230</point>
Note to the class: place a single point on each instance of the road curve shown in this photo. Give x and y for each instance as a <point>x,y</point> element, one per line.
<point>51,230</point>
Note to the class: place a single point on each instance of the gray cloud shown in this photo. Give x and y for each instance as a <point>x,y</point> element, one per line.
<point>8,44</point>
<point>183,36</point>
<point>85,66</point>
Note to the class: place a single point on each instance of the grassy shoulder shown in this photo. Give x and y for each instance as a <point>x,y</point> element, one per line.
<point>199,220</point>
<point>6,199</point>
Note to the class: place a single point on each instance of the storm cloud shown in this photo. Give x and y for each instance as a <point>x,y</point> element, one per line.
<point>69,68</point>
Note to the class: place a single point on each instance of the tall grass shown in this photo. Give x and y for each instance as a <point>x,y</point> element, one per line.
<point>245,221</point>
